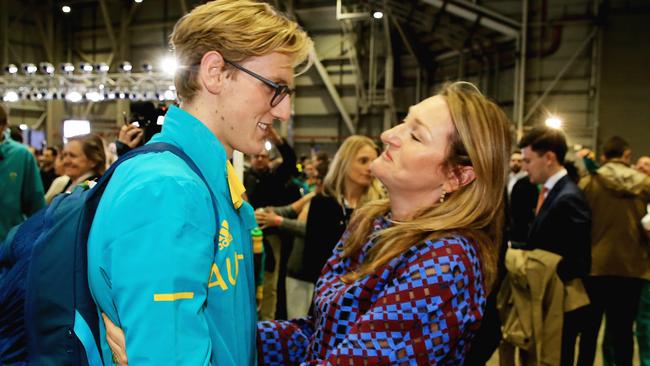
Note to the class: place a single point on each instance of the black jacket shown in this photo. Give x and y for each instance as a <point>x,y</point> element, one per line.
<point>563,226</point>
<point>326,222</point>
<point>273,187</point>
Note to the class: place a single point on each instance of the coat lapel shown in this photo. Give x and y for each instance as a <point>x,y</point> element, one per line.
<point>548,202</point>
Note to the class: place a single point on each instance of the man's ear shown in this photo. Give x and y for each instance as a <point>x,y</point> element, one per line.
<point>550,156</point>
<point>212,71</point>
<point>459,177</point>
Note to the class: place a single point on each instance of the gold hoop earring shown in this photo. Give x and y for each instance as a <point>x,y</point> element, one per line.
<point>442,196</point>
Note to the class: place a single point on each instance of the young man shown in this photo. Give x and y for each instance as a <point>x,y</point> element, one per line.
<point>618,196</point>
<point>21,190</point>
<point>562,223</point>
<point>153,266</point>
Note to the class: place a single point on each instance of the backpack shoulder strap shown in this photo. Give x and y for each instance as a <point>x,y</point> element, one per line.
<point>100,187</point>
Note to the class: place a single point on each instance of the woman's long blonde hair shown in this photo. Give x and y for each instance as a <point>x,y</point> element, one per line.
<point>481,139</point>
<point>334,183</point>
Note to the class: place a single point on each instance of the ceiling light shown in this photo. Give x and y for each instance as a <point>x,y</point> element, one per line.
<point>23,127</point>
<point>377,14</point>
<point>73,96</point>
<point>29,69</point>
<point>10,96</point>
<point>102,67</point>
<point>46,68</point>
<point>11,69</point>
<point>554,122</point>
<point>66,9</point>
<point>85,67</point>
<point>67,68</point>
<point>169,65</point>
<point>126,67</point>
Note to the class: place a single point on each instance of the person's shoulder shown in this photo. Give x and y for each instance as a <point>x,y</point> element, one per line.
<point>448,249</point>
<point>154,170</point>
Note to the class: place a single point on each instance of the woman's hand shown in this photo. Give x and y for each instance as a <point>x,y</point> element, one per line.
<point>116,341</point>
<point>267,218</point>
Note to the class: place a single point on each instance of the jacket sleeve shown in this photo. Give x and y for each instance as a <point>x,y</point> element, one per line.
<point>419,319</point>
<point>575,249</point>
<point>283,342</point>
<point>160,258</point>
<point>32,194</point>
<point>288,167</point>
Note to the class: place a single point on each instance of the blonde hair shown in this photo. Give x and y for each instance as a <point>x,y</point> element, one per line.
<point>334,182</point>
<point>238,29</point>
<point>480,139</point>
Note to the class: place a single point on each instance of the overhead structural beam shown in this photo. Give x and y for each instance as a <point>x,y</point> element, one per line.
<point>336,98</point>
<point>488,18</point>
<point>349,16</point>
<point>560,75</point>
<point>109,25</point>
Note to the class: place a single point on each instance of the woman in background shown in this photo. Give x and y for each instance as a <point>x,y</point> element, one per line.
<point>84,158</point>
<point>349,184</point>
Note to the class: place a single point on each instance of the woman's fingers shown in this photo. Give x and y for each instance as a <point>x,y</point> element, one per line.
<point>116,341</point>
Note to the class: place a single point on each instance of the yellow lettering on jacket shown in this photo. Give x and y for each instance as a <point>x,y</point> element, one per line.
<point>225,238</point>
<point>216,279</point>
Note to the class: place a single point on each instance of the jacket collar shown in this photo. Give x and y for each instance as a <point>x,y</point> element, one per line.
<point>203,147</point>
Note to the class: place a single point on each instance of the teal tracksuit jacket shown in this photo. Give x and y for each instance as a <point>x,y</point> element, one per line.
<point>21,189</point>
<point>154,266</point>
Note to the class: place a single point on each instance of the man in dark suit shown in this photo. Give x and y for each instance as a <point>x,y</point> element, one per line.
<point>562,224</point>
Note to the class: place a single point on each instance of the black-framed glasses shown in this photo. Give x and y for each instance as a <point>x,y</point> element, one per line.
<point>279,90</point>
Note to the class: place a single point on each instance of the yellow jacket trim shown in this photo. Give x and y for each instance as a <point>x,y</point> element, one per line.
<point>173,297</point>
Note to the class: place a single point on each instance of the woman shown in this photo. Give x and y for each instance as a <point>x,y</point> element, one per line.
<point>84,158</point>
<point>408,280</point>
<point>293,218</point>
<point>348,184</point>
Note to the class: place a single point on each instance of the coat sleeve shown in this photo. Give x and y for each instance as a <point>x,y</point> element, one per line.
<point>283,342</point>
<point>574,214</point>
<point>419,319</point>
<point>159,265</point>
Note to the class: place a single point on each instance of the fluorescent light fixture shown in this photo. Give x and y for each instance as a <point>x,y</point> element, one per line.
<point>553,122</point>
<point>75,127</point>
<point>377,14</point>
<point>168,65</point>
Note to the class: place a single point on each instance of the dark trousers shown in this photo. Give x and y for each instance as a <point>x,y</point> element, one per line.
<point>487,337</point>
<point>618,299</point>
<point>573,325</point>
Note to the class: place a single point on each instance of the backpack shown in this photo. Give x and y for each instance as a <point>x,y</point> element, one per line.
<point>43,266</point>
